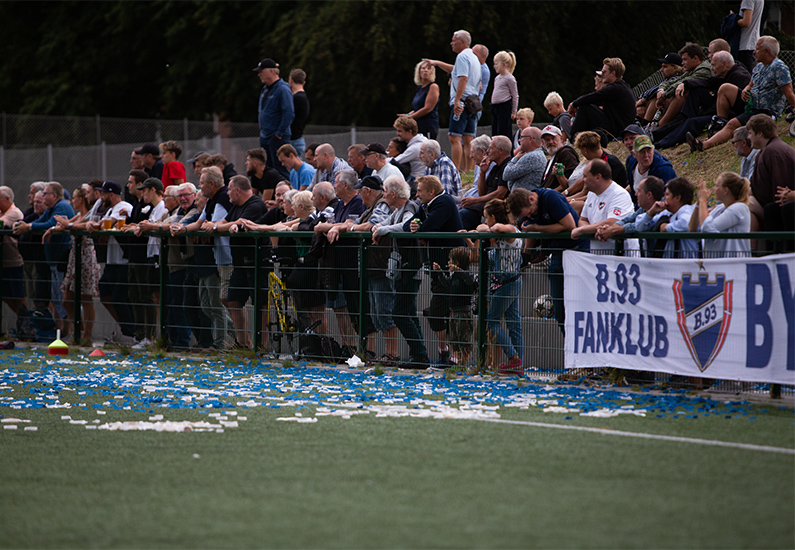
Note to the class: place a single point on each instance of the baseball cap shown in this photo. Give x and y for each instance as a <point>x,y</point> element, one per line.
<point>550,130</point>
<point>111,187</point>
<point>266,63</point>
<point>193,160</point>
<point>373,182</point>
<point>632,129</point>
<point>152,183</point>
<point>642,142</point>
<point>375,148</point>
<point>148,149</point>
<point>672,58</point>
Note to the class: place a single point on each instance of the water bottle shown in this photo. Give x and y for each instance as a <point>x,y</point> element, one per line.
<point>456,116</point>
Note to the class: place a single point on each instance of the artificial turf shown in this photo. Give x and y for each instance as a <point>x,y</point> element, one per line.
<point>369,482</point>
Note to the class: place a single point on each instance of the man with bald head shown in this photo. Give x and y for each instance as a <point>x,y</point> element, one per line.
<point>328,164</point>
<point>526,169</point>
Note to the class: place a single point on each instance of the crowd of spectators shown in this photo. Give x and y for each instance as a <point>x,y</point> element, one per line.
<point>557,180</point>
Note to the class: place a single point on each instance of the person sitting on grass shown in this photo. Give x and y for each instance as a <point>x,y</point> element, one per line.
<point>769,89</point>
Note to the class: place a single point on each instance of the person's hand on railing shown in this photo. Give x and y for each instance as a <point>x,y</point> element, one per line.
<point>21,227</point>
<point>176,229</point>
<point>333,234</point>
<point>130,227</point>
<point>606,232</point>
<point>208,227</point>
<point>47,234</point>
<point>61,223</point>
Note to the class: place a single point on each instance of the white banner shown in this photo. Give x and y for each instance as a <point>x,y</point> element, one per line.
<point>732,319</point>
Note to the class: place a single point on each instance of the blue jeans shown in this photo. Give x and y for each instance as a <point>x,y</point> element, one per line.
<point>382,302</point>
<point>300,146</point>
<point>505,303</point>
<point>272,146</point>
<point>405,315</point>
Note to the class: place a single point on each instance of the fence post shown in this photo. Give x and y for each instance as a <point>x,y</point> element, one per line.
<point>353,134</point>
<point>2,165</point>
<point>49,162</point>
<point>163,293</point>
<point>185,134</point>
<point>99,151</point>
<point>483,278</point>
<point>1,275</point>
<point>104,168</point>
<point>362,293</point>
<point>78,282</point>
<point>258,283</point>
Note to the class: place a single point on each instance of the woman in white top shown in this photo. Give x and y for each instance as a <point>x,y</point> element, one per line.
<point>731,216</point>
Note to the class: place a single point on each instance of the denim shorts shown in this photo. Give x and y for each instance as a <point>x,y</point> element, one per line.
<point>382,303</point>
<point>466,125</point>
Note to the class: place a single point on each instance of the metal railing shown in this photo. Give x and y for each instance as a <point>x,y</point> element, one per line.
<point>541,352</point>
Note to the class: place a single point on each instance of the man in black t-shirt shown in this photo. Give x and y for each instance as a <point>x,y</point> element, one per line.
<point>301,106</point>
<point>263,179</point>
<point>245,206</point>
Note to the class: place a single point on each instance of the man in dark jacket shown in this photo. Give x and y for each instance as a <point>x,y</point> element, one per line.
<point>440,216</point>
<point>616,100</point>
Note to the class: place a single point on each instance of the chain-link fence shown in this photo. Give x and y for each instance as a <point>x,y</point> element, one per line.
<point>284,296</point>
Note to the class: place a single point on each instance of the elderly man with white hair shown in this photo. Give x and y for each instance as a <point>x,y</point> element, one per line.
<point>406,264</point>
<point>769,89</point>
<point>438,164</point>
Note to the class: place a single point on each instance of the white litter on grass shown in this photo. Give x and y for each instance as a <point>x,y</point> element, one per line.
<point>167,426</point>
<point>13,420</point>
<point>610,413</point>
<point>299,419</point>
<point>31,428</point>
<point>560,410</point>
<point>355,362</point>
<point>10,427</point>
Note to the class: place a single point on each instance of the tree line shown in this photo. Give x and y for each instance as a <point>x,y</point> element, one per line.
<point>173,60</point>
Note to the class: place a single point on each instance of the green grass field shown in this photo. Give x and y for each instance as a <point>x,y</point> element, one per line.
<point>372,481</point>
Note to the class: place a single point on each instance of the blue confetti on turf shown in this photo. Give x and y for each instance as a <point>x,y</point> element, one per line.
<point>144,383</point>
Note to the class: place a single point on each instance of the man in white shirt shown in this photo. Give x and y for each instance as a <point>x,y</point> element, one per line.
<point>406,128</point>
<point>113,283</point>
<point>375,157</point>
<point>606,203</point>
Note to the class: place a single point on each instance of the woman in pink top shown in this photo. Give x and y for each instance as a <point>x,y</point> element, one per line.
<point>505,97</point>
<point>173,170</point>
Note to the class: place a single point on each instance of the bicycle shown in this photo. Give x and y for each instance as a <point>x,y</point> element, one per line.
<point>282,320</point>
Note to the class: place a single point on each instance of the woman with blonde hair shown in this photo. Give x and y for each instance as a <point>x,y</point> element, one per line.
<point>731,216</point>
<point>425,105</point>
<point>505,97</point>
